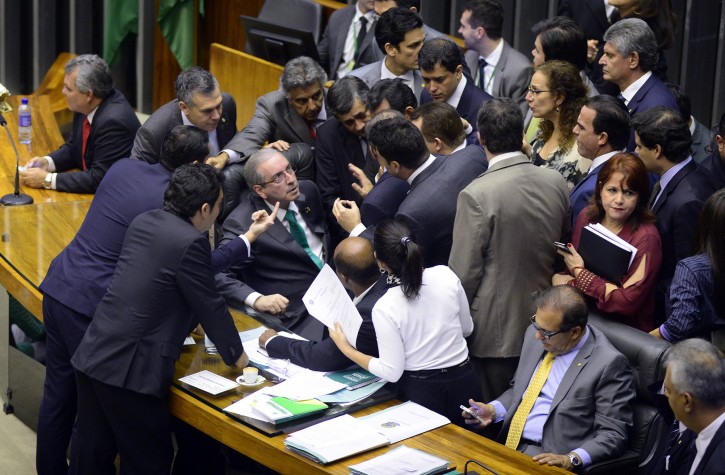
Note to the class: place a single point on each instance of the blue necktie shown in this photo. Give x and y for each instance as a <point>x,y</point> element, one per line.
<point>481,75</point>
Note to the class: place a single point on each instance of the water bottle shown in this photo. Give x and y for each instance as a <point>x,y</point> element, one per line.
<point>25,129</point>
<point>209,345</point>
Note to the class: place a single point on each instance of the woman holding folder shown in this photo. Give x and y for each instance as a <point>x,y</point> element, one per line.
<point>620,205</point>
<point>421,324</point>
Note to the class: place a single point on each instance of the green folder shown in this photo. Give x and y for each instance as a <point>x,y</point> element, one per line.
<point>280,409</point>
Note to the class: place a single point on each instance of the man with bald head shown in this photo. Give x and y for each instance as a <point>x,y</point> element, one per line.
<point>358,272</point>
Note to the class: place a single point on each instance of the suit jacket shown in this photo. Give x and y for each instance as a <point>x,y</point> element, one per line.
<point>372,72</point>
<point>582,192</point>
<point>325,356</point>
<point>162,280</point>
<point>506,220</point>
<point>332,44</point>
<point>112,131</point>
<point>471,101</point>
<point>79,276</point>
<point>512,76</point>
<point>713,460</point>
<point>714,167</point>
<point>677,210</point>
<point>591,408</point>
<point>589,14</point>
<point>652,93</point>
<point>700,140</point>
<point>274,119</point>
<point>430,207</point>
<point>149,138</point>
<point>278,265</point>
<point>383,201</point>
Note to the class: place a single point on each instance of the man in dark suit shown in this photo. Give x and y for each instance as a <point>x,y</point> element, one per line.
<point>572,363</point>
<point>663,143</point>
<point>358,271</point>
<point>290,115</point>
<point>430,207</point>
<point>79,276</point>
<point>104,126</point>
<point>287,258</point>
<point>630,53</point>
<point>399,34</point>
<point>346,43</point>
<point>714,164</point>
<point>695,389</point>
<point>442,71</point>
<point>495,66</point>
<point>602,130</point>
<point>200,103</point>
<point>162,285</point>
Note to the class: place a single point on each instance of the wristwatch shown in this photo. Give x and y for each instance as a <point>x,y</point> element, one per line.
<point>48,181</point>
<point>576,462</point>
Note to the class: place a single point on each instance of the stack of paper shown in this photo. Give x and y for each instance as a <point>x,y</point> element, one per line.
<point>401,460</point>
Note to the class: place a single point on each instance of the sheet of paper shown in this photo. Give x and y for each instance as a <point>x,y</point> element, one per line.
<point>209,382</point>
<point>344,396</point>
<point>304,386</point>
<point>282,369</point>
<point>252,334</point>
<point>328,301</point>
<point>404,420</point>
<point>401,460</point>
<point>245,407</point>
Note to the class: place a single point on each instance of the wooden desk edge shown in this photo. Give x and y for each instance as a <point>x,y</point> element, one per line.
<point>30,297</point>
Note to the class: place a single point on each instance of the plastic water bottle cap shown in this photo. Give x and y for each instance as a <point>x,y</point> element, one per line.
<point>24,100</point>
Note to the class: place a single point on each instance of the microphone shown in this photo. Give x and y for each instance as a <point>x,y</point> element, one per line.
<point>16,198</point>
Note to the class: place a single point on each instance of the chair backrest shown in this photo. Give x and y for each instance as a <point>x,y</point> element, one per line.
<point>646,355</point>
<point>299,14</point>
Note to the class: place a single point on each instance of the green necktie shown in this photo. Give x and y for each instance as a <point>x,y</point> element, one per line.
<point>299,235</point>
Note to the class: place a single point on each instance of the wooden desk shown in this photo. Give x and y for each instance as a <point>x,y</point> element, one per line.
<point>46,138</point>
<point>40,232</point>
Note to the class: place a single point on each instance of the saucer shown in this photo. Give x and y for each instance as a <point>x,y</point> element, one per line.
<point>260,379</point>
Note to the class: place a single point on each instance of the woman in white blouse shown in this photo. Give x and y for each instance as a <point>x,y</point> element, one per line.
<point>421,323</point>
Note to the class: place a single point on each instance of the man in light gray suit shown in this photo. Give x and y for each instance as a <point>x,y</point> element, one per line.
<point>496,67</point>
<point>399,34</point>
<point>506,222</point>
<point>580,412</point>
<point>347,41</point>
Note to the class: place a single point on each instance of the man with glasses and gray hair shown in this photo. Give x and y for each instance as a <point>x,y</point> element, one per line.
<point>285,260</point>
<point>569,402</point>
<point>104,126</point>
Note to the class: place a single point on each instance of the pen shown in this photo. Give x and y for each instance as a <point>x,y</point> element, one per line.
<point>472,414</point>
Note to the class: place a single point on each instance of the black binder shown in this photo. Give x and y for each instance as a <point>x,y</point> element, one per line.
<point>603,257</point>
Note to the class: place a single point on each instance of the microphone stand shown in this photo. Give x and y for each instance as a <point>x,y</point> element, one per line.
<point>16,198</point>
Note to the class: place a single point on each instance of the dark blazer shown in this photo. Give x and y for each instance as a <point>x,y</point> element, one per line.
<point>151,135</point>
<point>163,279</point>
<point>589,14</point>
<point>471,101</point>
<point>582,192</point>
<point>591,407</point>
<point>325,356</point>
<point>677,210</point>
<point>429,210</point>
<point>79,276</point>
<point>701,138</point>
<point>112,132</point>
<point>652,93</point>
<point>714,167</point>
<point>332,44</point>
<point>278,265</point>
<point>383,201</point>
<point>713,461</point>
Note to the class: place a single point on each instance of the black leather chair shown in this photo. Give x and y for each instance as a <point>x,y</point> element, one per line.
<point>298,14</point>
<point>646,355</point>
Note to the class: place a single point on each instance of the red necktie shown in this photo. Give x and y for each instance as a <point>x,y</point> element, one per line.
<point>313,131</point>
<point>86,133</point>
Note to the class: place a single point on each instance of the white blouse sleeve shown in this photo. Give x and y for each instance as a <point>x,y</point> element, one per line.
<point>391,363</point>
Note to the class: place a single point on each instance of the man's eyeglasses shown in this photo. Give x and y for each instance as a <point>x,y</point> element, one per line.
<point>279,177</point>
<point>536,92</point>
<point>546,335</point>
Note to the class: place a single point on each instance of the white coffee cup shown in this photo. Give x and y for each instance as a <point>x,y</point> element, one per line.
<point>250,374</point>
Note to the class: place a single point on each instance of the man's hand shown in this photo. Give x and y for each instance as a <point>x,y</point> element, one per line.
<point>218,162</point>
<point>33,177</point>
<point>264,337</point>
<point>364,185</point>
<point>273,304</point>
<point>37,162</point>
<point>242,361</point>
<point>560,279</point>
<point>346,213</point>
<point>279,145</point>
<point>261,222</point>
<point>484,411</point>
<point>554,460</point>
<point>592,49</point>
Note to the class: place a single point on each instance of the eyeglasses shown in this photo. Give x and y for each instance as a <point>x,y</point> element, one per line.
<point>279,177</point>
<point>544,334</point>
<point>536,92</point>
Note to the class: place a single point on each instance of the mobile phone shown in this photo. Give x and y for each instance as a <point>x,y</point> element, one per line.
<point>472,414</point>
<point>562,246</point>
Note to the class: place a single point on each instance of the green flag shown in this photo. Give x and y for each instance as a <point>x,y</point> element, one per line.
<point>121,19</point>
<point>176,21</point>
